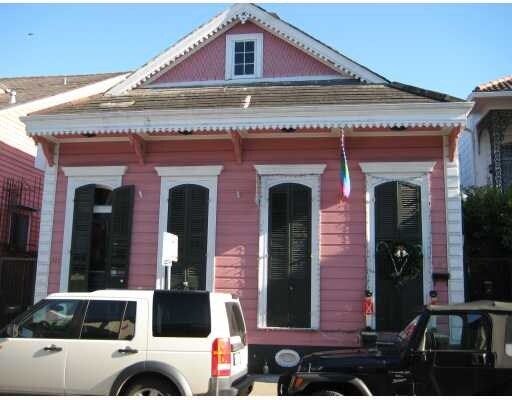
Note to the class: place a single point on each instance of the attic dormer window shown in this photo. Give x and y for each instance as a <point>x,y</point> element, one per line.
<point>244,55</point>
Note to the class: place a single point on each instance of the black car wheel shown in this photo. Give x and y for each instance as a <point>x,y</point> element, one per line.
<point>327,393</point>
<point>150,386</point>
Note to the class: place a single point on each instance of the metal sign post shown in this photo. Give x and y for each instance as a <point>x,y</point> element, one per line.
<point>169,255</point>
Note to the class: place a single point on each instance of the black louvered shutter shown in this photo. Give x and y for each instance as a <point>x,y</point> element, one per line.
<point>81,238</point>
<point>118,255</point>
<point>506,165</point>
<point>188,219</point>
<point>397,219</point>
<point>289,270</point>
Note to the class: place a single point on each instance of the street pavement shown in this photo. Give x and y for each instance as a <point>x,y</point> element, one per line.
<point>265,385</point>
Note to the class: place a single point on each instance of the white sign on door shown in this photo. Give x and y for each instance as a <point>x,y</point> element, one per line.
<point>170,249</point>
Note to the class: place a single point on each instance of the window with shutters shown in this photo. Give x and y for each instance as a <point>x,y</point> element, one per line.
<point>101,234</point>
<point>289,249</point>
<point>506,165</point>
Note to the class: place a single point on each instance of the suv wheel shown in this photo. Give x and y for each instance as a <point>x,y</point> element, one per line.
<point>150,387</point>
<point>327,393</point>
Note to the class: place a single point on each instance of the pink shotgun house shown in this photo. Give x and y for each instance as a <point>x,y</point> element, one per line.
<point>231,139</point>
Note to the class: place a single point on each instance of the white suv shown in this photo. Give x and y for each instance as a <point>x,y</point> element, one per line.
<point>127,342</point>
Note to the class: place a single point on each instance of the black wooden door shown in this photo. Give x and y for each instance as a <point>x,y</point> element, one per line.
<point>399,281</point>
<point>289,249</point>
<point>81,238</point>
<point>120,237</point>
<point>188,219</point>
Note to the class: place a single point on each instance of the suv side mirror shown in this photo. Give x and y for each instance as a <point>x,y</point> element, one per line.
<point>12,330</point>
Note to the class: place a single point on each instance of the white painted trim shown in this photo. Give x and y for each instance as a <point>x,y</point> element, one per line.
<point>313,181</point>
<point>378,173</point>
<point>175,176</point>
<point>305,78</point>
<point>258,118</point>
<point>202,170</point>
<point>423,167</point>
<point>230,55</point>
<point>243,13</point>
<point>46,228</point>
<point>290,169</point>
<point>501,93</point>
<point>454,237</point>
<point>94,171</point>
<point>109,177</point>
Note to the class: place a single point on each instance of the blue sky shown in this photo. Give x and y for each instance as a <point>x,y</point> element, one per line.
<point>449,48</point>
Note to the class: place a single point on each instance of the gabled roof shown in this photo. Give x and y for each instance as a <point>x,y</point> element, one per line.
<point>496,85</point>
<point>243,13</point>
<point>37,87</point>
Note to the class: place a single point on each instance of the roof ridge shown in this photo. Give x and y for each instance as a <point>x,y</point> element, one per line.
<point>431,94</point>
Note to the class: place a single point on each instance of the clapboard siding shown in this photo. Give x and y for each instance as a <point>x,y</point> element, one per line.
<point>342,230</point>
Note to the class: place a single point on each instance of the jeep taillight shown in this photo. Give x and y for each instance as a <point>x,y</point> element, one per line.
<point>221,357</point>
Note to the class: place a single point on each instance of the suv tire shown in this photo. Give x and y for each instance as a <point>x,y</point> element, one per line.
<point>327,393</point>
<point>150,386</point>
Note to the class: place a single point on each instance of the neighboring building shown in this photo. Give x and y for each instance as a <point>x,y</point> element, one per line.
<point>21,183</point>
<point>486,144</point>
<point>231,140</point>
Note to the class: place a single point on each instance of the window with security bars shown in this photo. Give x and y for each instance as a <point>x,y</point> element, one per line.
<point>244,57</point>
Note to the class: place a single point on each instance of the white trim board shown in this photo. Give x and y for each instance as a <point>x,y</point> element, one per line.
<point>206,176</point>
<point>257,118</point>
<point>110,177</point>
<point>243,13</point>
<point>312,179</point>
<point>416,173</point>
<point>46,228</point>
<point>305,78</point>
<point>454,238</point>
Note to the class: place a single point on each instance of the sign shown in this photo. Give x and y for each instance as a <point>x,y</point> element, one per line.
<point>169,249</point>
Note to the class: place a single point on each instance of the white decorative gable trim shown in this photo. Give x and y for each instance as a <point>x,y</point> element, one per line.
<point>269,176</point>
<point>417,173</point>
<point>244,13</point>
<point>206,176</point>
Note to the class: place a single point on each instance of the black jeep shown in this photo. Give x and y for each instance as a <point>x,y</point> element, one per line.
<point>460,349</point>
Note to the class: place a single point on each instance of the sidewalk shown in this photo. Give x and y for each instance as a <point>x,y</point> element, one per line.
<point>265,385</point>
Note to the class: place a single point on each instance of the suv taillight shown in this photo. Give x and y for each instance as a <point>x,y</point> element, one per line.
<point>221,357</point>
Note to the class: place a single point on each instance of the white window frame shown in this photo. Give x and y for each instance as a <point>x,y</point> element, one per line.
<point>416,173</point>
<point>269,176</point>
<point>207,177</point>
<point>230,55</point>
<point>110,177</point>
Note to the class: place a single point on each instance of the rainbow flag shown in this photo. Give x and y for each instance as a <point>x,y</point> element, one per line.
<point>344,184</point>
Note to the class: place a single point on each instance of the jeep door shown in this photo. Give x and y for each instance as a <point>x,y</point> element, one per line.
<point>34,360</point>
<point>113,337</point>
<point>454,349</point>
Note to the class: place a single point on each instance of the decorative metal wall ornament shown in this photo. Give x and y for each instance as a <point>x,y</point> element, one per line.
<point>404,260</point>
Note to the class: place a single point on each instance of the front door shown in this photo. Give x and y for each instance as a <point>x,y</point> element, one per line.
<point>188,219</point>
<point>399,259</point>
<point>35,360</point>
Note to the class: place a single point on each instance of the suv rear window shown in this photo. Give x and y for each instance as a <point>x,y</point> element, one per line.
<point>235,320</point>
<point>181,314</point>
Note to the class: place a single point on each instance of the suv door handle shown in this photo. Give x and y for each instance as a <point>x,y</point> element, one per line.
<point>128,350</point>
<point>52,348</point>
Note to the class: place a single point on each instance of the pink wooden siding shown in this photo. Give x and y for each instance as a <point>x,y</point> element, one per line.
<point>15,163</point>
<point>280,59</point>
<point>343,261</point>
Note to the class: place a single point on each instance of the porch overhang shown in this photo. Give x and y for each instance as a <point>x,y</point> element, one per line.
<point>420,115</point>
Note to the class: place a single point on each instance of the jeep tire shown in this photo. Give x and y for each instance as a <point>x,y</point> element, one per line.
<point>150,386</point>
